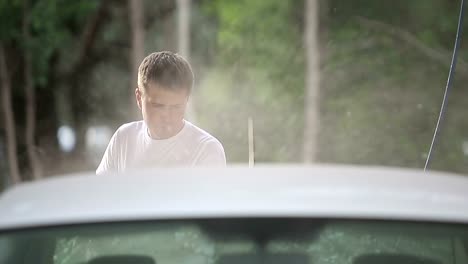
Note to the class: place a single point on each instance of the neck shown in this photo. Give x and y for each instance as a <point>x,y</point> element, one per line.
<point>166,134</point>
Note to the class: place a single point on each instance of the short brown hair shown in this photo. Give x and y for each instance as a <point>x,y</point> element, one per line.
<point>166,69</point>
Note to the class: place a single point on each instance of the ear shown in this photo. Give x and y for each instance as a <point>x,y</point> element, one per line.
<point>138,97</point>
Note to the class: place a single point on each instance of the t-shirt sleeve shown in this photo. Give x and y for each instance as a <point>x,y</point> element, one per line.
<point>212,155</point>
<point>109,160</point>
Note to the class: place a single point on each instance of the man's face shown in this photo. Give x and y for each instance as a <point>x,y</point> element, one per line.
<point>162,109</point>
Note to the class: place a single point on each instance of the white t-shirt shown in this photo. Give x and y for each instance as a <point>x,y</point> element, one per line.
<point>132,147</point>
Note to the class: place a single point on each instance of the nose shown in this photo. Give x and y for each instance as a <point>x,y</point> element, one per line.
<point>165,112</point>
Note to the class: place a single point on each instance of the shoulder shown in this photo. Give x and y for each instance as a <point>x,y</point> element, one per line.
<point>210,151</point>
<point>202,136</point>
<point>130,128</point>
<point>128,131</point>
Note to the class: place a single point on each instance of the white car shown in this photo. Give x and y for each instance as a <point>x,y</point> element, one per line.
<point>280,214</point>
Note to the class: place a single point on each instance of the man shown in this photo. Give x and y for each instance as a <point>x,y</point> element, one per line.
<point>163,138</point>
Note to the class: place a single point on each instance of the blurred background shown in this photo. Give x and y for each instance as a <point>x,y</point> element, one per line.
<point>329,81</point>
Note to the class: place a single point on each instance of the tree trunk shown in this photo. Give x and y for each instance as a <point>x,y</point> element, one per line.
<point>183,10</point>
<point>323,33</point>
<point>169,35</point>
<point>312,80</point>
<point>138,44</point>
<point>30,100</point>
<point>183,47</point>
<point>9,119</point>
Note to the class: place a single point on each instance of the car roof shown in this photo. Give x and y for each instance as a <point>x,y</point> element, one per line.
<point>325,191</point>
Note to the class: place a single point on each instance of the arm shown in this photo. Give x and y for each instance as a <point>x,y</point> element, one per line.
<point>212,155</point>
<point>109,160</point>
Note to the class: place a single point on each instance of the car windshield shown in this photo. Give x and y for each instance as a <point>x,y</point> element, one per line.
<point>264,240</point>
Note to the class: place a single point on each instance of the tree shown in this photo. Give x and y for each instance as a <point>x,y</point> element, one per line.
<point>35,35</point>
<point>137,42</point>
<point>183,26</point>
<point>183,40</point>
<point>9,119</point>
<point>312,79</point>
<point>30,96</point>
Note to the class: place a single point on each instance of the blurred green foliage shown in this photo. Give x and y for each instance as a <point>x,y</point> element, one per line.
<point>379,95</point>
<point>51,24</point>
<point>258,73</point>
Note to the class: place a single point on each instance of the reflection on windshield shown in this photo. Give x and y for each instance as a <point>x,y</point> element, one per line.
<point>244,241</point>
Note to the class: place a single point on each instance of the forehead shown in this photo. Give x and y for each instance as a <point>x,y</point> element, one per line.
<point>161,95</point>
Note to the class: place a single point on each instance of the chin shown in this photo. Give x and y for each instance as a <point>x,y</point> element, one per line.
<point>167,132</point>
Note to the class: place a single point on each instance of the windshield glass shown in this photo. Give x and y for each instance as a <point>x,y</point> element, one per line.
<point>240,241</point>
<point>103,87</point>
